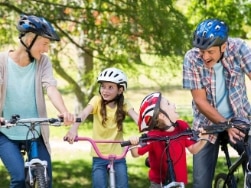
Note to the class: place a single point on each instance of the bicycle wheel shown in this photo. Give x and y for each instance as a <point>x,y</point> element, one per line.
<point>247,180</point>
<point>39,178</point>
<point>219,181</point>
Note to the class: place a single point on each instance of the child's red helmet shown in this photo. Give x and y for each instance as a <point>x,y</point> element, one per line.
<point>149,110</point>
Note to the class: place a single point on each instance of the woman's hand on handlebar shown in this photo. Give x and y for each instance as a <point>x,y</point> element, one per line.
<point>2,121</point>
<point>68,118</point>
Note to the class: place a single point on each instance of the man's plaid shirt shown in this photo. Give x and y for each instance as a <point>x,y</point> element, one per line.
<point>236,62</point>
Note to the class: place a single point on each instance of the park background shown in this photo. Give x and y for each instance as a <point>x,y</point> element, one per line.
<point>145,38</point>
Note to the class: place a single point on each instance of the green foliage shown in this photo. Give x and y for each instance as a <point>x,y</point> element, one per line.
<point>99,34</point>
<point>235,13</point>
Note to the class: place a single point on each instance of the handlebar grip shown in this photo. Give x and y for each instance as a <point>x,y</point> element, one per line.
<point>125,143</point>
<point>78,120</point>
<point>66,139</point>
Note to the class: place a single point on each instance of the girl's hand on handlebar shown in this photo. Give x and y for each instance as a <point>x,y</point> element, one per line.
<point>71,135</point>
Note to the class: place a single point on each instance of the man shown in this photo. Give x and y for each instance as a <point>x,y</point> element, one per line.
<point>214,70</point>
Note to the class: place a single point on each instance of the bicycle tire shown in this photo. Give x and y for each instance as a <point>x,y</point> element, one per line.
<point>39,178</point>
<point>41,181</point>
<point>219,181</point>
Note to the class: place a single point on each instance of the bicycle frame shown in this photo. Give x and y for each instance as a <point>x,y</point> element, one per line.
<point>228,178</point>
<point>36,168</point>
<point>110,157</point>
<point>173,183</point>
<point>33,162</point>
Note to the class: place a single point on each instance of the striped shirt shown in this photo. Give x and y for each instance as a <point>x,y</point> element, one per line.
<point>236,62</point>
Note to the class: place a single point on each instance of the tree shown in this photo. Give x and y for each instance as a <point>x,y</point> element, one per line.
<point>99,34</point>
<point>236,13</point>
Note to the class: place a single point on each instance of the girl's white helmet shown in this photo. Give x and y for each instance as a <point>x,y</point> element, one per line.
<point>113,75</point>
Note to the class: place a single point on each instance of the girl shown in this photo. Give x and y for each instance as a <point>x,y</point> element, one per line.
<point>109,110</point>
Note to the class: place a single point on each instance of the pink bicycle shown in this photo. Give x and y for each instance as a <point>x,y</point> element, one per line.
<point>110,157</point>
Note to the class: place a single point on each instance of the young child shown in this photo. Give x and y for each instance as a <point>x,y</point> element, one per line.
<point>159,118</point>
<point>109,110</point>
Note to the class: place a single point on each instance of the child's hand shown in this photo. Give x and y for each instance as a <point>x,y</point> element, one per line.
<point>71,135</point>
<point>134,140</point>
<point>203,136</point>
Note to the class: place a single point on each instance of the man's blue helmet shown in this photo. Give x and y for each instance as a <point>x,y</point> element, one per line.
<point>210,32</point>
<point>37,25</point>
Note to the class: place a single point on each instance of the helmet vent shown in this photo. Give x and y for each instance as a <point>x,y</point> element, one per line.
<point>110,73</point>
<point>37,25</point>
<point>210,32</point>
<point>113,75</point>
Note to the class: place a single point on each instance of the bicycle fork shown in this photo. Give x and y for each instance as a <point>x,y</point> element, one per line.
<point>34,162</point>
<point>112,174</point>
<point>171,178</point>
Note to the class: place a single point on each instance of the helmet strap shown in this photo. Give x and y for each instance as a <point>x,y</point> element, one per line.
<point>222,53</point>
<point>172,123</point>
<point>28,48</point>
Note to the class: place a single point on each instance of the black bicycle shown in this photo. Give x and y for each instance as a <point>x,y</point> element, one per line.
<point>171,176</point>
<point>35,168</point>
<point>229,179</point>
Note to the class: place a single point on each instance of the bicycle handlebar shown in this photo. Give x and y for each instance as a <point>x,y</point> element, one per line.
<point>220,127</point>
<point>145,138</point>
<point>95,147</point>
<point>241,124</point>
<point>15,119</point>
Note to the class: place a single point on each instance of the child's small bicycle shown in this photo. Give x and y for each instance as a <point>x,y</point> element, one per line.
<point>35,168</point>
<point>170,179</point>
<point>110,157</point>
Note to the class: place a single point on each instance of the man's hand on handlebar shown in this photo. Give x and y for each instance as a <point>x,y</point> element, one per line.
<point>235,134</point>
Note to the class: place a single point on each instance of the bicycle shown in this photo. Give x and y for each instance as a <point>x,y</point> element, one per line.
<point>35,168</point>
<point>228,179</point>
<point>110,157</point>
<point>144,139</point>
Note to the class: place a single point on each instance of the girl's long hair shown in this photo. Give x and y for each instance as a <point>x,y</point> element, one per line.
<point>120,113</point>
